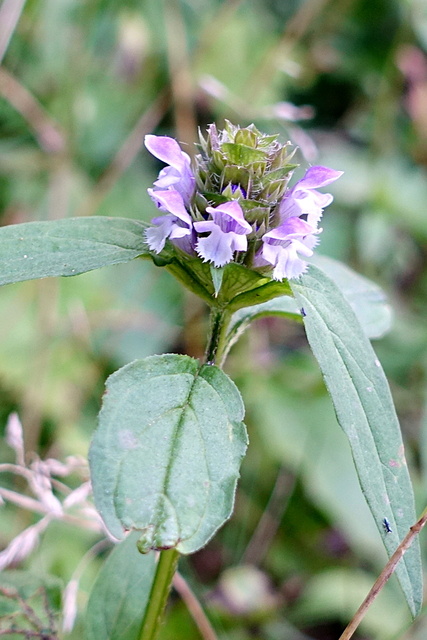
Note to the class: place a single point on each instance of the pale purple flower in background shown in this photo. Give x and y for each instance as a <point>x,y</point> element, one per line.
<point>227,233</point>
<point>178,175</point>
<point>175,225</point>
<point>300,212</point>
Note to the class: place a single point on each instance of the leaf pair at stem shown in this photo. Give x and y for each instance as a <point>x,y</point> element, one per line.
<point>165,458</point>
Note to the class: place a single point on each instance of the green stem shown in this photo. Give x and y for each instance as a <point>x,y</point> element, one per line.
<point>168,560</point>
<point>165,570</point>
<point>215,351</point>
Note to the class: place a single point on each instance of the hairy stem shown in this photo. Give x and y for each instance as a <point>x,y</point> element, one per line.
<point>162,583</point>
<point>215,351</point>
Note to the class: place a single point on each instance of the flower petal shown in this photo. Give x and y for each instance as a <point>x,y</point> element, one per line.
<point>216,247</point>
<point>156,236</point>
<point>167,150</point>
<point>318,176</point>
<point>172,202</point>
<point>291,228</point>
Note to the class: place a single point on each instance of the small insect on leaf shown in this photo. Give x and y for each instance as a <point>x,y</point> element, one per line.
<point>386,525</point>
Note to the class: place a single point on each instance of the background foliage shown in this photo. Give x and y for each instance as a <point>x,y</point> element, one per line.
<point>81,83</point>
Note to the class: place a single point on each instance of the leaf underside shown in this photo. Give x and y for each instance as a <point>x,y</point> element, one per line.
<point>166,455</point>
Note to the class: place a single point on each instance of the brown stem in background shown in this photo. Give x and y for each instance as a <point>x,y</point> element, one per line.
<point>384,576</point>
<point>126,154</point>
<point>295,29</point>
<point>180,75</point>
<point>269,522</point>
<point>48,133</point>
<point>194,607</point>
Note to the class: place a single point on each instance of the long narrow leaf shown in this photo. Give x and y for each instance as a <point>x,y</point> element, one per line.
<point>67,247</point>
<point>365,411</point>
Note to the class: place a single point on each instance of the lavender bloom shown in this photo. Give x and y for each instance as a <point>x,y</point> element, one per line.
<point>176,224</point>
<point>241,165</point>
<point>282,245</point>
<point>227,233</point>
<point>303,199</point>
<point>300,212</point>
<point>178,175</point>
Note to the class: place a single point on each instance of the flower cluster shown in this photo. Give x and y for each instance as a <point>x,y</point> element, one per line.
<point>234,203</point>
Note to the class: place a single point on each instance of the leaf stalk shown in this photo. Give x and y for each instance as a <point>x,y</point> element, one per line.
<point>165,570</point>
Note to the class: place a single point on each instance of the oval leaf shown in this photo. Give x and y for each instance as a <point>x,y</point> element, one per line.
<point>120,594</point>
<point>166,455</point>
<point>67,247</point>
<point>365,411</point>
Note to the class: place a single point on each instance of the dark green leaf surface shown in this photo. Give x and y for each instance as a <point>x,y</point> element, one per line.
<point>67,247</point>
<point>120,594</point>
<point>166,455</point>
<point>365,411</point>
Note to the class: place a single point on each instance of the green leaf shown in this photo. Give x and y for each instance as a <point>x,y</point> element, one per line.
<point>366,298</point>
<point>240,286</point>
<point>67,247</point>
<point>365,411</point>
<point>120,594</point>
<point>166,455</point>
<point>283,306</point>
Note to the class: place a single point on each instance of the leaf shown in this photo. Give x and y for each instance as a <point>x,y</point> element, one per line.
<point>284,306</point>
<point>240,286</point>
<point>366,298</point>
<point>365,411</point>
<point>166,455</point>
<point>120,594</point>
<point>67,247</point>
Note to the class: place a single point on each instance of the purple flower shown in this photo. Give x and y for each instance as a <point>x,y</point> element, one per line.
<point>227,233</point>
<point>300,212</point>
<point>178,175</point>
<point>176,224</point>
<point>282,245</point>
<point>303,199</point>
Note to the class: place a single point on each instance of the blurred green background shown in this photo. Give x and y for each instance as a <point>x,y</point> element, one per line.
<point>81,83</point>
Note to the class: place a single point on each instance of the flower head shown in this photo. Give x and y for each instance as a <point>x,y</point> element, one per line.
<point>236,199</point>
